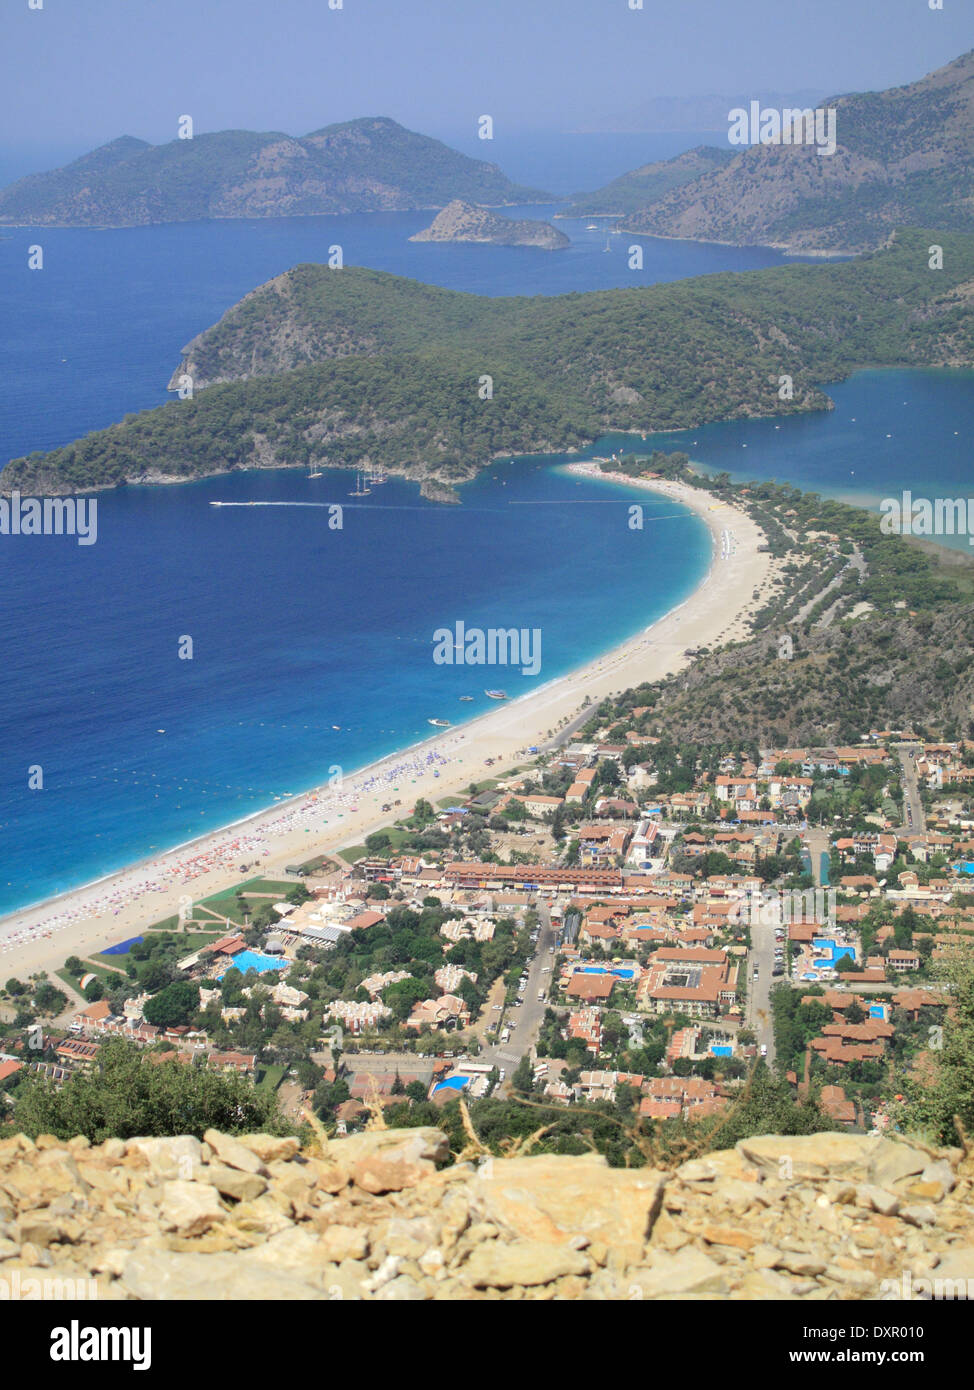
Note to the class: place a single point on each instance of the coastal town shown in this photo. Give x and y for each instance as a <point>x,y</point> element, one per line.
<point>575,932</point>
<point>634,916</point>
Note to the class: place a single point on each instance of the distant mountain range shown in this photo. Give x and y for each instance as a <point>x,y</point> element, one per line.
<point>367,165</point>
<point>904,156</point>
<point>659,115</point>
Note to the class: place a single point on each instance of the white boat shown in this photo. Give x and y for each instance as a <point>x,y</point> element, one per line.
<point>592,227</point>
<point>496,694</point>
<point>439,723</point>
<point>360,489</point>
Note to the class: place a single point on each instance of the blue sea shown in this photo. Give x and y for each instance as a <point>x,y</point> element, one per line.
<point>891,431</point>
<point>297,628</point>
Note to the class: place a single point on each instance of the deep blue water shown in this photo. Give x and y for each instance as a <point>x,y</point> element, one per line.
<point>296,628</point>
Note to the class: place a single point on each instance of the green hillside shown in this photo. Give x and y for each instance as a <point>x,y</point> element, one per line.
<point>368,165</point>
<point>357,366</point>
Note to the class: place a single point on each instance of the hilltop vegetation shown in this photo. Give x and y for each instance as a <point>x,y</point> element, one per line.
<point>367,165</point>
<point>353,366</point>
<point>881,635</point>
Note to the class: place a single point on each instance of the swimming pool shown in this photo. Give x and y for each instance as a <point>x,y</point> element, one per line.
<point>721,1050</point>
<point>601,970</point>
<point>253,960</point>
<point>452,1083</point>
<point>832,951</point>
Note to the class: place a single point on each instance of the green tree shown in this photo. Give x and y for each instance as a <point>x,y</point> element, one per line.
<point>48,1000</point>
<point>173,1005</point>
<point>125,1094</point>
<point>523,1078</point>
<point>934,1105</point>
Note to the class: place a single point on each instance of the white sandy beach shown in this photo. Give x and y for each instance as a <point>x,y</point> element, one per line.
<point>95,916</point>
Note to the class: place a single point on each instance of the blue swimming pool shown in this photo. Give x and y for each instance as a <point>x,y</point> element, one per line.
<point>721,1050</point>
<point>253,960</point>
<point>452,1083</point>
<point>833,952</point>
<point>600,970</point>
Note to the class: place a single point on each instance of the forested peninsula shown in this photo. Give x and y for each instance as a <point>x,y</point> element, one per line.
<point>346,367</point>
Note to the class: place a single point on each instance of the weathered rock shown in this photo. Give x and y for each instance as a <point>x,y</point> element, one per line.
<point>878,1199</point>
<point>165,1275</point>
<point>892,1161</point>
<point>402,1289</point>
<point>674,1276</point>
<point>801,1264</point>
<point>180,1157</point>
<point>918,1214</point>
<point>231,1182</point>
<point>390,1172</point>
<point>271,1148</point>
<point>410,1238</point>
<point>802,1156</point>
<point>537,1199</point>
<point>725,1235</point>
<point>954,1275</point>
<point>231,1152</point>
<point>391,1160</point>
<point>340,1243</point>
<point>798,1218</point>
<point>189,1208</point>
<point>522,1262</point>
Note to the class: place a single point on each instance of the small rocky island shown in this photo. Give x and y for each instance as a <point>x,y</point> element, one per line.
<point>460,221</point>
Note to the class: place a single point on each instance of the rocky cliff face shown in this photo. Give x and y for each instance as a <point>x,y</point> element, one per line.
<point>461,221</point>
<point>372,1217</point>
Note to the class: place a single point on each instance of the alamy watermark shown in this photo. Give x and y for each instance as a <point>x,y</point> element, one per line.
<point>50,516</point>
<point>908,1288</point>
<point>922,516</point>
<point>791,125</point>
<point>772,909</point>
<point>16,1287</point>
<point>492,646</point>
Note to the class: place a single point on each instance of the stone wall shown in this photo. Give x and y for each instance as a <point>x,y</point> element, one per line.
<point>371,1216</point>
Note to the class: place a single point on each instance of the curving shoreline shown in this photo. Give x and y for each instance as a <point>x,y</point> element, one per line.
<point>328,818</point>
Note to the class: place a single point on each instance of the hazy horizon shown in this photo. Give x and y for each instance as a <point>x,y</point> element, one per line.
<point>78,76</point>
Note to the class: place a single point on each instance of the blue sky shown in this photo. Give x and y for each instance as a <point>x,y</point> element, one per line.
<point>79,72</point>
